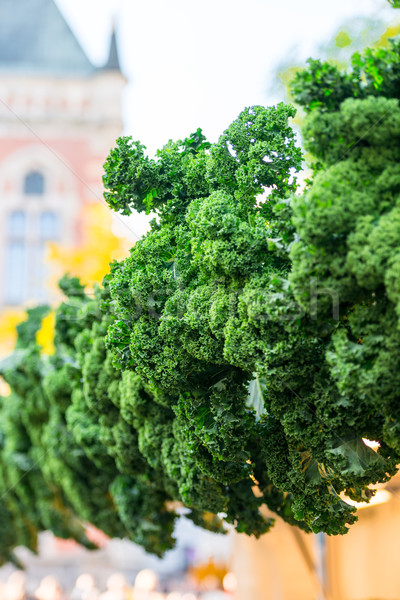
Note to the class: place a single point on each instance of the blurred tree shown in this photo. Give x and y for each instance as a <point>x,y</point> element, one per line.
<point>9,319</point>
<point>353,36</point>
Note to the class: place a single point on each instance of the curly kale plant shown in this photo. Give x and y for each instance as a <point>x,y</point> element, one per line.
<point>209,313</point>
<point>348,223</point>
<point>244,350</point>
<point>70,452</point>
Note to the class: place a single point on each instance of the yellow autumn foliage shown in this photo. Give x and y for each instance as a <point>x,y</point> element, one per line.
<point>45,335</point>
<point>9,319</point>
<point>389,32</point>
<point>90,260</point>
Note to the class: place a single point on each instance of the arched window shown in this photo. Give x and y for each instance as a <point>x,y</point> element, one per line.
<point>34,184</point>
<point>49,227</point>
<point>16,226</point>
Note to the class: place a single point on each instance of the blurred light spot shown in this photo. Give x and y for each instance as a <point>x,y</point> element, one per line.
<point>230,582</point>
<point>85,582</point>
<point>146,580</point>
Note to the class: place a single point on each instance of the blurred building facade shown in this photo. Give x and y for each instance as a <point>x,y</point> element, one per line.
<point>59,116</point>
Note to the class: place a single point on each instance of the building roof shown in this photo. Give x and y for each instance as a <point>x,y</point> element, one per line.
<point>35,38</point>
<point>112,63</point>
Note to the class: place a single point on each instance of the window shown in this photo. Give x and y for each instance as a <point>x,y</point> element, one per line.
<point>16,226</point>
<point>34,184</point>
<point>25,269</point>
<point>49,226</point>
<point>15,272</point>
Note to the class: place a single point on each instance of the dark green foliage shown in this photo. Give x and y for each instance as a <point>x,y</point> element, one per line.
<point>238,357</point>
<point>75,436</point>
<point>257,151</point>
<point>238,287</point>
<point>323,86</point>
<point>31,500</point>
<point>205,311</point>
<point>348,228</point>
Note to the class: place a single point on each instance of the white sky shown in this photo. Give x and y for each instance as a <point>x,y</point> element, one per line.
<point>198,63</point>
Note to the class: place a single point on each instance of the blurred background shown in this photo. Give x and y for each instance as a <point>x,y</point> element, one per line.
<point>75,75</point>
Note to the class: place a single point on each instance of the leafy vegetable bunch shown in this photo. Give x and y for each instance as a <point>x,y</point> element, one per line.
<point>70,452</point>
<point>238,357</point>
<point>348,233</point>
